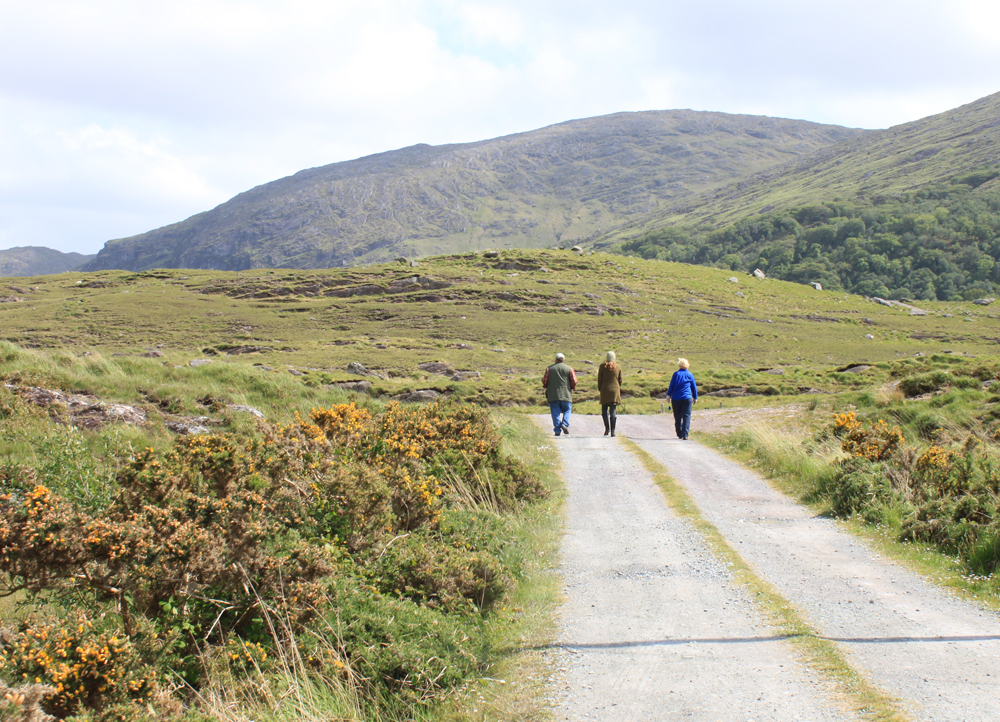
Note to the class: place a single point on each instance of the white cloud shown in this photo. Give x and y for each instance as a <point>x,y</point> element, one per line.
<point>117,116</point>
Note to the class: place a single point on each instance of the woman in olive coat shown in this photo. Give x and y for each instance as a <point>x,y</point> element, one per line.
<point>609,383</point>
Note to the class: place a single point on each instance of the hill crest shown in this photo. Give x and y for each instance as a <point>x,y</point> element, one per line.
<point>565,183</point>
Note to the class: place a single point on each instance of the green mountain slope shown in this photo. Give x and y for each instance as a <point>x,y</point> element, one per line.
<point>913,211</point>
<point>39,261</point>
<point>558,185</point>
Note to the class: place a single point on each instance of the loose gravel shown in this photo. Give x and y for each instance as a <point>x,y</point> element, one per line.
<point>653,626</point>
<point>939,655</point>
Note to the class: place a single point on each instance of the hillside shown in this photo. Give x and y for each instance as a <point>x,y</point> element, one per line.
<point>482,329</point>
<point>39,261</point>
<point>912,211</point>
<point>558,185</point>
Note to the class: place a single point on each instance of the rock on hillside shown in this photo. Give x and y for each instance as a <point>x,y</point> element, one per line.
<point>560,184</point>
<point>39,261</point>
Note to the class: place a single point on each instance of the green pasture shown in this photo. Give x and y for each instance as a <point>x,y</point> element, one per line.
<point>502,317</point>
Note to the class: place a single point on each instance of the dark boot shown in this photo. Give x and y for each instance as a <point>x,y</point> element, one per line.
<point>614,423</point>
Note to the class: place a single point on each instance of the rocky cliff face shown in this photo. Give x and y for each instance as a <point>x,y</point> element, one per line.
<point>558,185</point>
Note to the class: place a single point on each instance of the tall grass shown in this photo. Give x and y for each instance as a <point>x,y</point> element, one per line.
<point>790,457</point>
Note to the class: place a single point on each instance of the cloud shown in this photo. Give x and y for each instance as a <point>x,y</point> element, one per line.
<point>120,116</point>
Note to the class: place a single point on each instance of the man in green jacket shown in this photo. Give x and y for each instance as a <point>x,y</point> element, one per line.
<point>559,381</point>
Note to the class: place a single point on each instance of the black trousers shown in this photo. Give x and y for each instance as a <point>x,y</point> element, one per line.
<point>609,412</point>
<point>682,417</point>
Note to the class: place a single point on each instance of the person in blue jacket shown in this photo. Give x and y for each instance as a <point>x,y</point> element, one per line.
<point>683,393</point>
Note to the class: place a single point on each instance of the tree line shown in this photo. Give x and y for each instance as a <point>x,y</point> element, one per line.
<point>941,242</point>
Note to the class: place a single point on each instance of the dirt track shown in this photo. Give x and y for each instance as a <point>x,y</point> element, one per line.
<point>654,629</point>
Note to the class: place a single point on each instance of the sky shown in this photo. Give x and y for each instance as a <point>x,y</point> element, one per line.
<point>117,116</point>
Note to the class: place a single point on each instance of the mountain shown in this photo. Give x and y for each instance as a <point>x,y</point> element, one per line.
<point>908,212</point>
<point>882,162</point>
<point>39,261</point>
<point>559,185</point>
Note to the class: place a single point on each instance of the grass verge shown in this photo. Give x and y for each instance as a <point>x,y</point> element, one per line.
<point>819,653</point>
<point>515,685</point>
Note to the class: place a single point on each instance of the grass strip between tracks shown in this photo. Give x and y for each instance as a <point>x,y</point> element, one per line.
<point>818,652</point>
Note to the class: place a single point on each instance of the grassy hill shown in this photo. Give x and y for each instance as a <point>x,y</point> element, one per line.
<point>558,185</point>
<point>910,212</point>
<point>501,318</point>
<point>903,158</point>
<point>39,261</point>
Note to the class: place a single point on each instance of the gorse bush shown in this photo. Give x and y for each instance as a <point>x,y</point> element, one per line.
<point>949,497</point>
<point>351,515</point>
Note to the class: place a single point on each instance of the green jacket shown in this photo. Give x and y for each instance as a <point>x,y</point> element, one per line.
<point>559,381</point>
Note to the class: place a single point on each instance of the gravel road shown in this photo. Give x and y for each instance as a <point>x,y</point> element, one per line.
<point>653,629</point>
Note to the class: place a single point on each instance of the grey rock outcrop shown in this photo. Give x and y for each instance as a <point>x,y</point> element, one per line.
<point>421,396</point>
<point>437,367</point>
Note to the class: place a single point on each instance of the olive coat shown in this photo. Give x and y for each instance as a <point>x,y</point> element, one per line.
<point>609,382</point>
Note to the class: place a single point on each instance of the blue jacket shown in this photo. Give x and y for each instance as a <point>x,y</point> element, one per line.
<point>682,386</point>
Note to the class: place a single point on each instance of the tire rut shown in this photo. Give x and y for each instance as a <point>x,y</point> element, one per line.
<point>938,654</point>
<point>653,626</point>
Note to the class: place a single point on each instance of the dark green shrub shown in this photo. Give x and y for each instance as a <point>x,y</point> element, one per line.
<point>422,568</point>
<point>410,649</point>
<point>984,556</point>
<point>860,486</point>
<point>925,383</point>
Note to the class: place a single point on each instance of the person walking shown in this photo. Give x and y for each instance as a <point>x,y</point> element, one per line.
<point>683,393</point>
<point>559,382</point>
<point>609,384</point>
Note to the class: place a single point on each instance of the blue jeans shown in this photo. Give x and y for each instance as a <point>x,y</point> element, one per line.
<point>560,415</point>
<point>682,417</point>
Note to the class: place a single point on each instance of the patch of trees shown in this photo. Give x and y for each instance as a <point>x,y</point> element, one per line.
<point>940,242</point>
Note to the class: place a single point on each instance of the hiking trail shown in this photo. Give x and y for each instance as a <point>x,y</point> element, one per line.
<point>655,627</point>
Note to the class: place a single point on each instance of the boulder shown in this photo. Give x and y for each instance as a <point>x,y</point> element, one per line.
<point>734,279</point>
<point>740,294</point>
<point>869,336</point>
<point>199,362</point>
<point>817,286</point>
<point>185,427</point>
<point>123,413</point>
<point>420,396</point>
<point>152,354</point>
<point>466,375</point>
<point>984,301</point>
<point>436,367</point>
<point>358,387</point>
<point>357,369</point>
<point>757,273</point>
<point>243,409</point>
